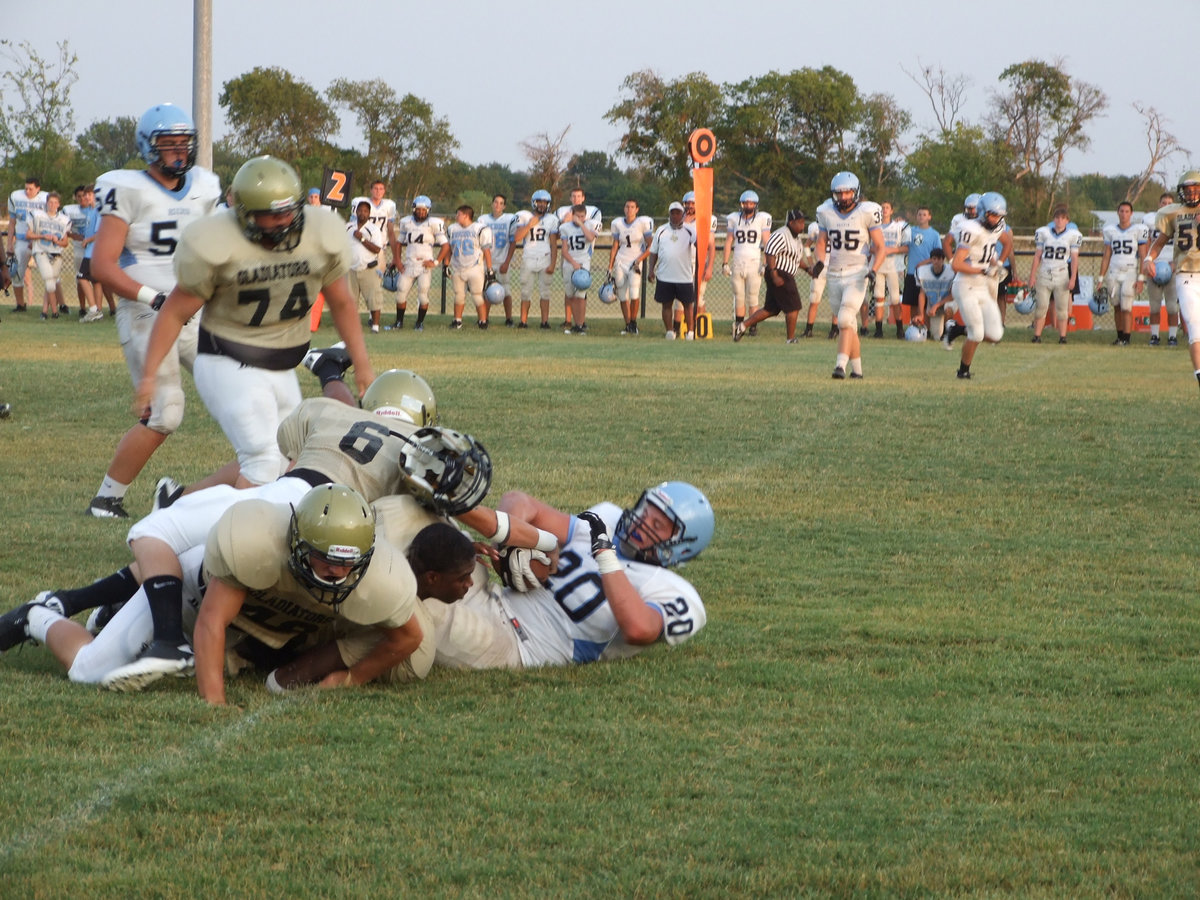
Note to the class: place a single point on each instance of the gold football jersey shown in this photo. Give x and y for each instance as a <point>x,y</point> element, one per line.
<point>248,548</point>
<point>349,445</point>
<point>1181,224</point>
<point>257,296</point>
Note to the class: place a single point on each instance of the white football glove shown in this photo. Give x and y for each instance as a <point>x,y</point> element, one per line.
<point>725,270</point>
<point>516,571</point>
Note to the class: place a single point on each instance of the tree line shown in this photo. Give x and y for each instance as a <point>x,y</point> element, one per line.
<point>783,135</point>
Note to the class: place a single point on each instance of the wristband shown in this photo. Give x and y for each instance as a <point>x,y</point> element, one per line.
<point>502,527</point>
<point>146,294</point>
<point>607,562</point>
<point>546,542</point>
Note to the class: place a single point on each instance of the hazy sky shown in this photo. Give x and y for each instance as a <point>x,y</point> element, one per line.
<point>502,73</point>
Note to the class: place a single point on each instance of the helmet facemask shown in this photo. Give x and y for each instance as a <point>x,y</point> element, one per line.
<point>446,471</point>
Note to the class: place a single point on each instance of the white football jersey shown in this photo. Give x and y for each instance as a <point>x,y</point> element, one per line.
<point>983,246</point>
<point>593,218</point>
<point>156,217</point>
<point>630,238</point>
<point>847,235</point>
<point>420,239</point>
<point>58,225</point>
<point>502,228</point>
<point>935,286</point>
<point>576,242</point>
<point>1149,220</point>
<point>748,236</point>
<point>1124,243</point>
<point>467,243</point>
<point>537,242</point>
<point>1055,249</point>
<point>20,206</point>
<point>381,213</point>
<point>570,621</point>
<point>893,236</point>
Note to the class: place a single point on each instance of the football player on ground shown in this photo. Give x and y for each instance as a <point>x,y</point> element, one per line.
<point>537,233</point>
<point>502,225</point>
<point>1162,286</point>
<point>1180,223</point>
<point>630,245</point>
<point>849,246</point>
<point>20,204</point>
<point>746,234</point>
<point>255,270</point>
<point>599,600</point>
<point>1121,267</point>
<point>422,236</point>
<point>982,246</point>
<point>1055,268</point>
<point>142,217</point>
<point>468,253</point>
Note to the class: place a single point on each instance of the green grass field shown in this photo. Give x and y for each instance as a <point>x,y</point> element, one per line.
<point>951,646</point>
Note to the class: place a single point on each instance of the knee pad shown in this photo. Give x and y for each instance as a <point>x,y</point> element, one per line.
<point>166,414</point>
<point>261,465</point>
<point>847,318</point>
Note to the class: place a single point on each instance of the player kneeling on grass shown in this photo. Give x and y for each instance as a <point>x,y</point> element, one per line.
<point>601,598</point>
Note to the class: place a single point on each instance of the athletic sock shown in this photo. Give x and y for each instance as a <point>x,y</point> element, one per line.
<point>165,595</point>
<point>421,314</point>
<point>110,487</point>
<point>111,589</point>
<point>856,366</point>
<point>1172,331</point>
<point>38,622</point>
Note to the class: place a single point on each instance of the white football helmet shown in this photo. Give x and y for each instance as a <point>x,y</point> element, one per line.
<point>445,471</point>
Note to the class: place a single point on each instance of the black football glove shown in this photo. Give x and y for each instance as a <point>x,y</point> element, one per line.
<point>600,539</point>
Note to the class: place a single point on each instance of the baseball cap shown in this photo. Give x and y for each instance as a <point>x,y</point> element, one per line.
<point>675,206</point>
<point>794,214</point>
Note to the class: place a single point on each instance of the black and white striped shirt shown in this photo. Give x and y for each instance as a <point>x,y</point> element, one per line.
<point>786,249</point>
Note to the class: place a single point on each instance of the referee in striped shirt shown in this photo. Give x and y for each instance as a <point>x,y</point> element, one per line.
<point>784,254</point>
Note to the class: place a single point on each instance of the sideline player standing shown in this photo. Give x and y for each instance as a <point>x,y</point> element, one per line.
<point>20,204</point>
<point>422,236</point>
<point>1055,269</point>
<point>142,216</point>
<point>851,240</point>
<point>537,234</point>
<point>502,225</point>
<point>469,256</point>
<point>1120,269</point>
<point>1159,290</point>
<point>1180,222</point>
<point>746,233</point>
<point>630,245</point>
<point>594,222</point>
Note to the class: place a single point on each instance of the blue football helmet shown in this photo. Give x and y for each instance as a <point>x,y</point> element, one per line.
<point>391,279</point>
<point>1162,272</point>
<point>1025,302</point>
<point>845,181</point>
<point>581,279</point>
<point>541,202</point>
<point>1099,304</point>
<point>915,333</point>
<point>690,197</point>
<point>165,119</point>
<point>971,204</point>
<point>690,513</point>
<point>422,202</point>
<point>993,204</point>
<point>608,293</point>
<point>494,293</point>
<point>748,201</point>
